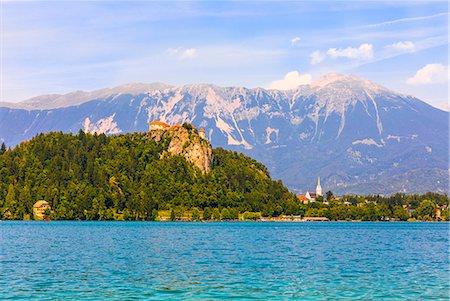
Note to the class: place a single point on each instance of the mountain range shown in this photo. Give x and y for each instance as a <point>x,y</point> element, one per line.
<point>358,136</point>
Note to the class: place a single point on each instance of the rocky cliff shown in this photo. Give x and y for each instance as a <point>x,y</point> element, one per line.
<point>185,141</point>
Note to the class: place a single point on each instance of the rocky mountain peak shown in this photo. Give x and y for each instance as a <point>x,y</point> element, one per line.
<point>353,83</point>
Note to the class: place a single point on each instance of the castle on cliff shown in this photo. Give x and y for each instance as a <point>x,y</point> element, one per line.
<point>159,125</point>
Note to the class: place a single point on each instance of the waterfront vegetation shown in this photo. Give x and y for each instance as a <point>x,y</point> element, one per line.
<point>126,177</point>
<point>398,207</point>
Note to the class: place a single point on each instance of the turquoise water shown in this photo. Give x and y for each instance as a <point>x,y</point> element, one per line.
<point>223,261</point>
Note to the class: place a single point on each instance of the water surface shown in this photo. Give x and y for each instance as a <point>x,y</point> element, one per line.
<point>223,261</point>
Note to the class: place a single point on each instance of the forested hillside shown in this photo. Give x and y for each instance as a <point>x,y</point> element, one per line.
<point>90,177</point>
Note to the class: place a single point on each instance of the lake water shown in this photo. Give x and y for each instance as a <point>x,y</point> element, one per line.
<point>223,261</point>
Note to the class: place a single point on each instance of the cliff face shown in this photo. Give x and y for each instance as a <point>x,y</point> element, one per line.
<point>185,142</point>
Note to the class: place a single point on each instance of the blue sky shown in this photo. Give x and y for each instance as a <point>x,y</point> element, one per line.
<point>62,46</point>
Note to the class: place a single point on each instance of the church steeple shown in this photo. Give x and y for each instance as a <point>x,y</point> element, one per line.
<point>318,187</point>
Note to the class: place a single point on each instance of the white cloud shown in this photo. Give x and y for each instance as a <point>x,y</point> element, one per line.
<point>183,54</point>
<point>430,74</point>
<point>295,41</point>
<point>363,52</point>
<point>291,80</point>
<point>402,46</point>
<point>317,57</point>
<point>189,53</point>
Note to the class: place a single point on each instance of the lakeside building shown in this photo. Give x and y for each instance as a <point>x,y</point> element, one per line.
<point>39,209</point>
<point>303,199</point>
<point>311,196</point>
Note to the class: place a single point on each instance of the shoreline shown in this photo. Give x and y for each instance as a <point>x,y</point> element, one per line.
<point>222,221</point>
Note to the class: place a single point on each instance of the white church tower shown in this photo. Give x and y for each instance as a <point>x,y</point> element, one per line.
<point>318,187</point>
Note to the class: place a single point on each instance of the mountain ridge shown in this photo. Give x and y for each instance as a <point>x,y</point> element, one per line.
<point>56,100</point>
<point>352,132</point>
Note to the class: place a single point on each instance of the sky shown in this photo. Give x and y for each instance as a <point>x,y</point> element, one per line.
<point>63,46</point>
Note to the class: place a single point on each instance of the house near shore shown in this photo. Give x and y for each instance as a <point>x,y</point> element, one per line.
<point>39,209</point>
<point>303,199</point>
<point>311,196</point>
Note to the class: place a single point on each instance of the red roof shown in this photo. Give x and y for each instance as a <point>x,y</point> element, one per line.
<point>202,130</point>
<point>159,123</point>
<point>302,198</point>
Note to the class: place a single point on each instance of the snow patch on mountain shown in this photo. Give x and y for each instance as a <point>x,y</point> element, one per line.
<point>393,137</point>
<point>223,126</point>
<point>167,108</point>
<point>295,120</point>
<point>32,124</point>
<point>269,132</point>
<point>354,155</point>
<point>105,125</point>
<point>367,141</point>
<point>303,135</point>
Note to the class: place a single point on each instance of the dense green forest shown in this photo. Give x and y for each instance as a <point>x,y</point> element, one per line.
<point>90,177</point>
<point>99,177</point>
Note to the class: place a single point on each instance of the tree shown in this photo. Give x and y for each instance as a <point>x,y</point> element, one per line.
<point>426,208</point>
<point>3,148</point>
<point>187,126</point>
<point>383,211</point>
<point>207,213</point>
<point>234,213</point>
<point>154,216</point>
<point>370,212</point>
<point>401,213</point>
<point>195,214</point>
<point>329,195</point>
<point>172,215</point>
<point>25,200</point>
<point>251,215</point>
<point>47,212</point>
<point>9,209</point>
<point>445,214</point>
<point>216,214</point>
<point>126,214</point>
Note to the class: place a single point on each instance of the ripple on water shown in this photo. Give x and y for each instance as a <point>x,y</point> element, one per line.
<point>223,261</point>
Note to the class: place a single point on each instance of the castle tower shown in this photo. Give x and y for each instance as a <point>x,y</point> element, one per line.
<point>318,187</point>
<point>201,133</point>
